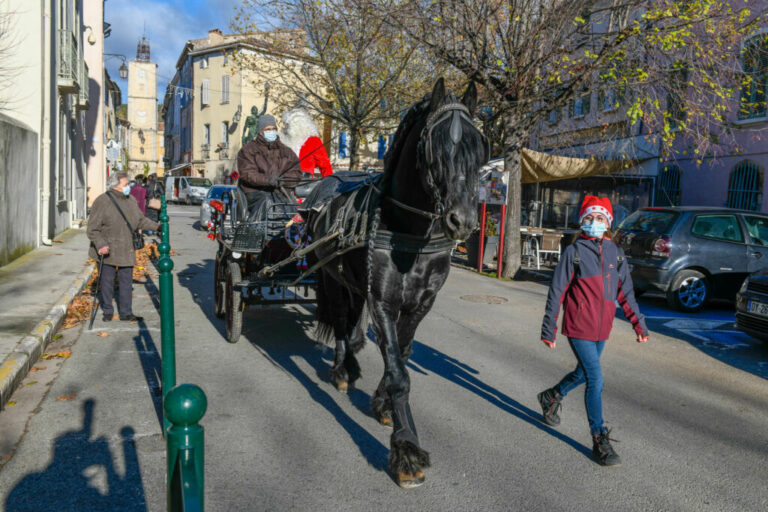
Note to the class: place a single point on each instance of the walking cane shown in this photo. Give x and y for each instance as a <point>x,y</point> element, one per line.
<point>97,302</point>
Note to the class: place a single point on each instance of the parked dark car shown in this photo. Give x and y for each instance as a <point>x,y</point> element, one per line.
<point>752,306</point>
<point>693,254</point>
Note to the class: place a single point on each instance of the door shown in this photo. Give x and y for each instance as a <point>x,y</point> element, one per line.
<point>183,189</point>
<point>717,244</point>
<point>757,245</point>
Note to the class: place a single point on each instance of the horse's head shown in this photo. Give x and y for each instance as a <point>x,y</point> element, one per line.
<point>450,152</point>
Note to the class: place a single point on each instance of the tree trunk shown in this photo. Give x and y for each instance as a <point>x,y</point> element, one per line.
<point>354,149</point>
<point>513,149</point>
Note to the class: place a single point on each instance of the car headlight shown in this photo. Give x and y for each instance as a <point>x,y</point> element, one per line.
<point>206,206</point>
<point>743,286</point>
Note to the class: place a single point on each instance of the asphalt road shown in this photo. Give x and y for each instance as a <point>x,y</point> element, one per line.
<point>691,420</point>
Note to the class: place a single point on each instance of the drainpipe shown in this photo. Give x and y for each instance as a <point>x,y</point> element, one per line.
<point>45,124</point>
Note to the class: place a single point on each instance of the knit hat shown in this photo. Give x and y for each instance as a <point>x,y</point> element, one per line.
<point>593,204</point>
<point>266,120</point>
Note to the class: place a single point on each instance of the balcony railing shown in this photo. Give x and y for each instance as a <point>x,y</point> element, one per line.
<point>84,82</point>
<point>69,62</point>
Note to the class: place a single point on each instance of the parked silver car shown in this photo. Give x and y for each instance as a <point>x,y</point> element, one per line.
<point>215,192</point>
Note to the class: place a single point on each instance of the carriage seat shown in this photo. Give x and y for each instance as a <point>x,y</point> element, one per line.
<point>332,186</point>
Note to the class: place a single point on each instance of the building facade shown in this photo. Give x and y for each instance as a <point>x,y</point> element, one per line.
<point>42,108</point>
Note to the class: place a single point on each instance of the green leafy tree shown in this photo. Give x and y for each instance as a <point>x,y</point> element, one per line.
<point>672,65</point>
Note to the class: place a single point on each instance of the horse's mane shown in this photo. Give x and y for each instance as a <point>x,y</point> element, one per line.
<point>414,114</point>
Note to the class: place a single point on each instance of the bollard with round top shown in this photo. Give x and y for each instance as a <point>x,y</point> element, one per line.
<point>167,329</point>
<point>184,407</point>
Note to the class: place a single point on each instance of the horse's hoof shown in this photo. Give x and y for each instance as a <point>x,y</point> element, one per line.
<point>409,481</point>
<point>342,386</point>
<point>386,421</point>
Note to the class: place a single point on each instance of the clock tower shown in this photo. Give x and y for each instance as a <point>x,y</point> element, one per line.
<point>142,111</point>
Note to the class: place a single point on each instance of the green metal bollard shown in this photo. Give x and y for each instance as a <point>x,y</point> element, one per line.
<point>185,406</point>
<point>167,328</point>
<point>164,220</point>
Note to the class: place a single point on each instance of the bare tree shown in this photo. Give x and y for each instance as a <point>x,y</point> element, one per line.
<point>672,62</point>
<point>9,42</point>
<point>349,64</point>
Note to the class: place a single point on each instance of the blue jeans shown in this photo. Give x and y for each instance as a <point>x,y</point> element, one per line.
<point>587,370</point>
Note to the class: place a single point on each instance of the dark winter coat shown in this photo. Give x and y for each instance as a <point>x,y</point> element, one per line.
<point>262,164</point>
<point>107,228</point>
<point>588,293</point>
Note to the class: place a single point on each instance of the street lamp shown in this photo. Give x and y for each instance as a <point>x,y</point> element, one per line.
<point>123,69</point>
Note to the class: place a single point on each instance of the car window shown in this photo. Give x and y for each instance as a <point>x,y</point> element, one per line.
<point>720,227</point>
<point>217,192</point>
<point>758,229</point>
<point>649,220</point>
<point>199,182</point>
<point>183,183</point>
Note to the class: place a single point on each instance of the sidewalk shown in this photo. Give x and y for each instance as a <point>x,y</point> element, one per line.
<point>35,291</point>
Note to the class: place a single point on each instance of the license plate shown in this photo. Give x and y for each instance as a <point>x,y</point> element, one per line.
<point>758,308</point>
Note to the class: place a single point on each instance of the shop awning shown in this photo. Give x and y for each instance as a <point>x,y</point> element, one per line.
<point>541,167</point>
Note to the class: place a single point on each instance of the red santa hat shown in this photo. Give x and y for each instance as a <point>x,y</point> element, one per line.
<point>594,204</point>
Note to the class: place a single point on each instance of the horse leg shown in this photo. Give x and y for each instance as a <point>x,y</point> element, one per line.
<point>355,339</point>
<point>339,374</point>
<point>407,460</point>
<point>381,405</point>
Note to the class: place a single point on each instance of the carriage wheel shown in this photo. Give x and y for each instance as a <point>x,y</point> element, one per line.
<point>234,303</point>
<point>219,287</point>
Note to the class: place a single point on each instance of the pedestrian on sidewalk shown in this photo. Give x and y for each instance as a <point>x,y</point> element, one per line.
<point>111,235</point>
<point>591,275</point>
<point>139,193</point>
<point>155,190</point>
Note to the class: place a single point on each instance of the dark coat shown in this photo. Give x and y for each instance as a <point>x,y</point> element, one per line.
<point>588,293</point>
<point>261,164</point>
<point>106,227</point>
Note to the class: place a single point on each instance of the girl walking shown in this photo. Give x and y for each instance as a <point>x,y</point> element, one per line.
<point>590,276</point>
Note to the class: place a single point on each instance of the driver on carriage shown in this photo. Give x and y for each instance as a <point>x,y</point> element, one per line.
<point>269,170</point>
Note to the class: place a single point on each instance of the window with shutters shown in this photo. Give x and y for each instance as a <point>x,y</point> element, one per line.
<point>343,145</point>
<point>205,93</point>
<point>745,186</point>
<point>206,135</point>
<point>754,61</point>
<point>668,187</point>
<point>225,89</point>
<point>203,62</point>
<point>676,110</point>
<point>225,134</point>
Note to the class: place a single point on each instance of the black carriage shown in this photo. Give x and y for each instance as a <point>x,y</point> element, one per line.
<point>259,258</point>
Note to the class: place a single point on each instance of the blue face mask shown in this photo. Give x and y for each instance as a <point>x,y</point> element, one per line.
<point>594,229</point>
<point>270,135</point>
<point>127,190</point>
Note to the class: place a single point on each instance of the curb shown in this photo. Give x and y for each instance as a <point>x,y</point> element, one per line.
<point>26,353</point>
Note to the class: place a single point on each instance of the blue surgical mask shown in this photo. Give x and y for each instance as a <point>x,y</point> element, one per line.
<point>127,190</point>
<point>594,229</point>
<point>270,135</point>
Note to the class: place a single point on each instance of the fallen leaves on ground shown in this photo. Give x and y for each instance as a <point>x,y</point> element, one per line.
<point>57,241</point>
<point>11,403</point>
<point>64,398</point>
<point>61,354</point>
<point>78,311</point>
<point>102,334</point>
<point>37,368</point>
<point>32,382</point>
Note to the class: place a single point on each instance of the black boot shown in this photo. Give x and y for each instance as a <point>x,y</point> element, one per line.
<point>550,406</point>
<point>603,452</point>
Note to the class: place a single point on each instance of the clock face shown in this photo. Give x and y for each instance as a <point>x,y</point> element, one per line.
<point>142,73</point>
<point>141,113</point>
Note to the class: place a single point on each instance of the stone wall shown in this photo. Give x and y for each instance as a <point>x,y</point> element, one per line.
<point>18,189</point>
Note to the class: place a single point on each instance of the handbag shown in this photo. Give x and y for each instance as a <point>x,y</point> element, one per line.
<point>136,237</point>
<point>154,203</point>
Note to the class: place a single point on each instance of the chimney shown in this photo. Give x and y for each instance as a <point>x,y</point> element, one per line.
<point>215,36</point>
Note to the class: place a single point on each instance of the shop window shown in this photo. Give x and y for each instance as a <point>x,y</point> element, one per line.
<point>745,186</point>
<point>668,187</point>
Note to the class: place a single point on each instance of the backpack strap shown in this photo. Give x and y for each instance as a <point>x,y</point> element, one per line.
<point>121,211</point>
<point>576,258</point>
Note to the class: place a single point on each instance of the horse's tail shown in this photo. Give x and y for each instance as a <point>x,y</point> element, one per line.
<point>323,312</point>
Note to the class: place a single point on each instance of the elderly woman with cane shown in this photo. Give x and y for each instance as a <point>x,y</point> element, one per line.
<point>113,229</point>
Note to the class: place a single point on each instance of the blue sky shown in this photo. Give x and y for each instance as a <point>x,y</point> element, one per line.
<point>169,24</point>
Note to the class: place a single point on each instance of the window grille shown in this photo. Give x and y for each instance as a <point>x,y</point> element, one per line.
<point>755,66</point>
<point>745,187</point>
<point>668,187</point>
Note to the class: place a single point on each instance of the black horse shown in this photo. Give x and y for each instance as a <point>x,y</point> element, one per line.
<point>425,201</point>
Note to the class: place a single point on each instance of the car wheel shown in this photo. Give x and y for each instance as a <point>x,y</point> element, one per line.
<point>689,291</point>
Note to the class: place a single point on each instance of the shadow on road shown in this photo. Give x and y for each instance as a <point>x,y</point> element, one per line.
<point>198,279</point>
<point>711,331</point>
<point>427,359</point>
<point>292,343</point>
<point>151,365</point>
<point>82,475</point>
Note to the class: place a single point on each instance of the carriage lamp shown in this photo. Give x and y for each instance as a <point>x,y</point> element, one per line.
<point>236,255</point>
<point>238,114</point>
